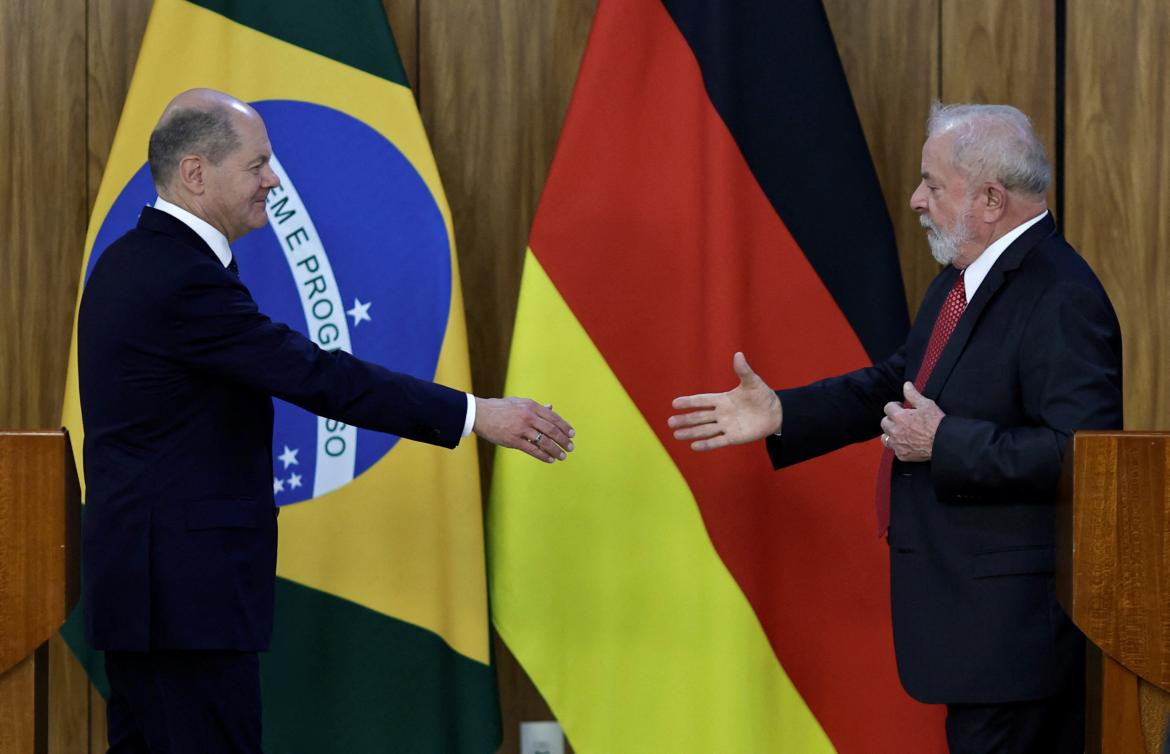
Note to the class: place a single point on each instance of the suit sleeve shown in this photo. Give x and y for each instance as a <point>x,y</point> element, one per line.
<point>218,330</point>
<point>830,414</point>
<point>1070,377</point>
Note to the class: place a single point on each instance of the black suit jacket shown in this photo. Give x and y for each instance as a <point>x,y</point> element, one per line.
<point>177,367</point>
<point>1035,356</point>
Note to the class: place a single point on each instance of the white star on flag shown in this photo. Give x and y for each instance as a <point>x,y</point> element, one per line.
<point>277,485</point>
<point>294,481</point>
<point>360,312</point>
<point>289,456</point>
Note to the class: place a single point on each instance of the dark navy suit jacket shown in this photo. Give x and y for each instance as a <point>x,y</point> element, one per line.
<point>177,368</point>
<point>1035,356</point>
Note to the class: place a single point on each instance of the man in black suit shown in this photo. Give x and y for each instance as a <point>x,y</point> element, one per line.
<point>177,370</point>
<point>1016,345</point>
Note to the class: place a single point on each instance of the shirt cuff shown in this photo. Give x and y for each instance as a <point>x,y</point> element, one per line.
<point>469,421</point>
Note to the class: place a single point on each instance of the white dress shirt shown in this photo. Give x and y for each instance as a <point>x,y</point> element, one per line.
<point>976,271</point>
<point>223,251</point>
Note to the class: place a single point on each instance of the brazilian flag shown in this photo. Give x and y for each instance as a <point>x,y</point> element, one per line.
<point>381,639</point>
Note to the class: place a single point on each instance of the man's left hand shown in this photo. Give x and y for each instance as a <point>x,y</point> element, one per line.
<point>909,432</point>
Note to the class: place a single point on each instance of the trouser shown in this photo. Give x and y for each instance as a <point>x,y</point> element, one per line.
<point>1044,726</point>
<point>183,702</point>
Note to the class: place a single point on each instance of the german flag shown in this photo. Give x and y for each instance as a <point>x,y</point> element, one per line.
<point>711,192</point>
<point>381,640</point>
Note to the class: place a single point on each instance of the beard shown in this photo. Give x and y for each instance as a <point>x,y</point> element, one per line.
<point>946,244</point>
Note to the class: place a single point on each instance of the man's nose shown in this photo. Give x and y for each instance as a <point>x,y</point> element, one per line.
<point>918,198</point>
<point>271,179</point>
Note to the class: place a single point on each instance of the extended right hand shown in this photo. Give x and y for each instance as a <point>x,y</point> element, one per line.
<point>746,413</point>
<point>524,424</point>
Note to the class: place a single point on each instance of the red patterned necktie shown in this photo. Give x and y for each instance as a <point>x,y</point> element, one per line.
<point>948,316</point>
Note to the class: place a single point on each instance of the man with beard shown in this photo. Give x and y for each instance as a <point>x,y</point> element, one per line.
<point>1015,347</point>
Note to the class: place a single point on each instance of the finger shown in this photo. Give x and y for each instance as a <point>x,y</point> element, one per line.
<point>550,448</point>
<point>893,408</point>
<point>712,444</point>
<point>701,400</point>
<point>553,431</point>
<point>536,451</point>
<point>691,419</point>
<point>888,426</point>
<point>913,397</point>
<point>696,433</point>
<point>545,412</point>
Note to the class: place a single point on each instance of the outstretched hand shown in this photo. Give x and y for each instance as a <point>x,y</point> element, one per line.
<point>524,424</point>
<point>746,413</point>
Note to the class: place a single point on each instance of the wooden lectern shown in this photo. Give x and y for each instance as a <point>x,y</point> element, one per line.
<point>40,505</point>
<point>1113,578</point>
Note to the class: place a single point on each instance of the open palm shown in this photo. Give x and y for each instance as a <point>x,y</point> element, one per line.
<point>748,412</point>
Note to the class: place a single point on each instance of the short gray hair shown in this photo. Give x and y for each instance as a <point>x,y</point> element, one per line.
<point>208,133</point>
<point>994,142</point>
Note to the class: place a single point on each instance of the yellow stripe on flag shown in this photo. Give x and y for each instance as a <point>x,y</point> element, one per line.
<point>603,576</point>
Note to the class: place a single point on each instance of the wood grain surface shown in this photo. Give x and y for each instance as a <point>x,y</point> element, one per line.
<point>1120,594</point>
<point>114,35</point>
<point>42,201</point>
<point>38,578</point>
<point>17,721</point>
<point>890,52</point>
<point>35,584</point>
<point>1002,52</point>
<point>403,18</point>
<point>69,708</point>
<point>1117,182</point>
<point>1116,584</point>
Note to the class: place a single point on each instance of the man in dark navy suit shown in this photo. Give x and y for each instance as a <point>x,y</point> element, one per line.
<point>1016,346</point>
<point>177,372</point>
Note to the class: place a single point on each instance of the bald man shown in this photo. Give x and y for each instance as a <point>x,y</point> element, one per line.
<point>177,370</point>
<point>1015,347</point>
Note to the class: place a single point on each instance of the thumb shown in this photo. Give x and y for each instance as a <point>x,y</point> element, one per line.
<point>742,369</point>
<point>913,397</point>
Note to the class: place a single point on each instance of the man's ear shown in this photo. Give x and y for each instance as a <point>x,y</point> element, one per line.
<point>191,173</point>
<point>992,201</point>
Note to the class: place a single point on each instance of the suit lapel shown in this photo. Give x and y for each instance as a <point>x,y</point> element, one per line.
<point>999,274</point>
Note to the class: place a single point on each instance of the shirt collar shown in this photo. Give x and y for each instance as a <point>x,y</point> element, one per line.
<point>212,237</point>
<point>978,269</point>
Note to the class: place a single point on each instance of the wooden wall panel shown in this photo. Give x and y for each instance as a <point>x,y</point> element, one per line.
<point>1117,182</point>
<point>495,82</point>
<point>493,102</point>
<point>42,200</point>
<point>1002,52</point>
<point>403,17</point>
<point>17,723</point>
<point>69,709</point>
<point>890,53</point>
<point>115,34</point>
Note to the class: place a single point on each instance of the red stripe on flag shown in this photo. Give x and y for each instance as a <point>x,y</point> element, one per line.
<point>656,233</point>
